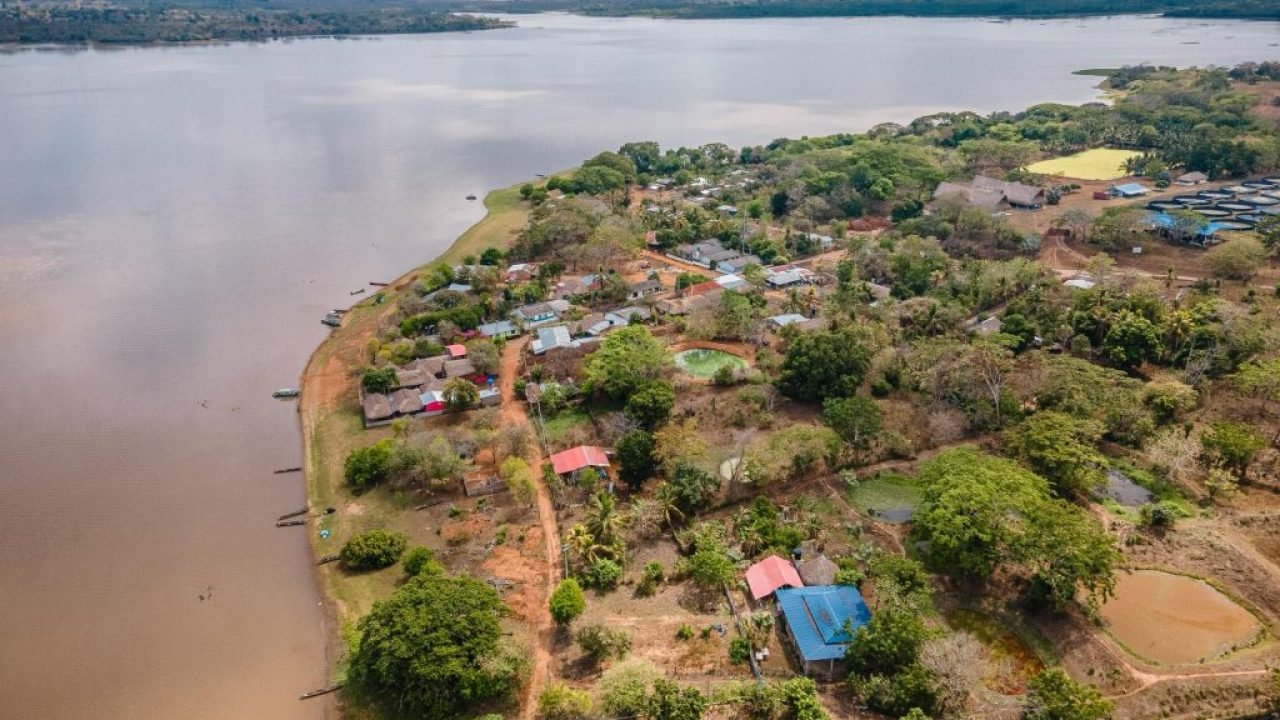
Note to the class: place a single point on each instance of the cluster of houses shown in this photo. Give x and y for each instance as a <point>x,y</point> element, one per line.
<point>419,388</point>
<point>817,617</point>
<point>713,255</point>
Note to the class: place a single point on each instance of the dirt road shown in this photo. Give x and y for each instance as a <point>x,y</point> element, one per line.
<point>513,413</point>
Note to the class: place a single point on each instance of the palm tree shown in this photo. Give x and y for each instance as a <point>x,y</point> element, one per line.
<point>605,523</point>
<point>669,505</point>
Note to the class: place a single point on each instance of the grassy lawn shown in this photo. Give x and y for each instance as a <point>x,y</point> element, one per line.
<point>506,217</point>
<point>1096,164</point>
<point>887,492</point>
<point>563,423</point>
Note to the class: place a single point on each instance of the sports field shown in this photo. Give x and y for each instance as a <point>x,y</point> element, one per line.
<point>1096,164</point>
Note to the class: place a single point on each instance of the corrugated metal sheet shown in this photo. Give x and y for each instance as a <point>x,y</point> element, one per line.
<point>816,618</point>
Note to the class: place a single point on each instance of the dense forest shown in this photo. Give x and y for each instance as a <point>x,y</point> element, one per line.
<point>137,23</point>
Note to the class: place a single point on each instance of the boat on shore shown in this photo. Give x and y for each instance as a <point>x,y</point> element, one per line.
<point>285,393</point>
<point>333,319</point>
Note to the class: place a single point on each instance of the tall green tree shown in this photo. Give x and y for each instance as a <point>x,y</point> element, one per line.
<point>435,647</point>
<point>627,360</point>
<point>824,364</point>
<point>1061,448</point>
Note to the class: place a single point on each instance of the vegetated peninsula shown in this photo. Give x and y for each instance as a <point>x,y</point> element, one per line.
<point>52,21</point>
<point>969,417</point>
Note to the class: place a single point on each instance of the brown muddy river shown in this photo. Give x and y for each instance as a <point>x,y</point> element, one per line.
<point>175,221</point>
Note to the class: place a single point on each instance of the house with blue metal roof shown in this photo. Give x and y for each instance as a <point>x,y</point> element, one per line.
<point>819,623</point>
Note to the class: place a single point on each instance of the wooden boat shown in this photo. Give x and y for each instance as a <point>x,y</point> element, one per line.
<point>471,197</point>
<point>332,320</point>
<point>286,393</point>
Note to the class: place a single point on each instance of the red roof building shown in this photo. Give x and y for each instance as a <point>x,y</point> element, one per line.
<point>770,574</point>
<point>575,459</point>
<point>456,351</point>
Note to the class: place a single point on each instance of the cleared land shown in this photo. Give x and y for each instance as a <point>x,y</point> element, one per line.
<point>1096,164</point>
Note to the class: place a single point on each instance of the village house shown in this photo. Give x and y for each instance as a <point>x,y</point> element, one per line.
<point>624,316</point>
<point>644,289</point>
<point>497,330</point>
<point>522,272</point>
<point>1192,178</point>
<point>818,623</point>
<point>817,570</point>
<point>992,194</point>
<point>737,263</point>
<point>377,410</point>
<point>707,296</point>
<point>456,351</point>
<point>534,314</point>
<point>459,368</point>
<point>569,288</point>
<point>785,276</point>
<point>570,463</point>
<point>483,485</point>
<point>551,338</point>
<point>781,321</point>
<point>730,281</point>
<point>770,574</point>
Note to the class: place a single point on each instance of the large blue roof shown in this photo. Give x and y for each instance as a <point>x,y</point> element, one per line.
<point>817,617</point>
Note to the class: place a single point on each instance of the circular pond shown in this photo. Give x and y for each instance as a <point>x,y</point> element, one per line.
<point>1175,619</point>
<point>703,363</point>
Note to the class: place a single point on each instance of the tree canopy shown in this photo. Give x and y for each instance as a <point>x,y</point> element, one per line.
<point>435,647</point>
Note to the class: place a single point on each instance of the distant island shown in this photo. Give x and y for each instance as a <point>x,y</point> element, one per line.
<point>709,9</point>
<point>142,23</point>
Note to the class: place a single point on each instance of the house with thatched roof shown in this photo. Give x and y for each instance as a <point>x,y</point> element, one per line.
<point>818,570</point>
<point>377,410</point>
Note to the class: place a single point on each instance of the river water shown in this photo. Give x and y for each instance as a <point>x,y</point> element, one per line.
<point>175,221</point>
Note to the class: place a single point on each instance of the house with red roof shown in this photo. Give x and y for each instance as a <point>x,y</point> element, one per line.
<point>456,352</point>
<point>769,575</point>
<point>570,463</point>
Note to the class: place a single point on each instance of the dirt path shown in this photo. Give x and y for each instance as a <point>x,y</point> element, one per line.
<point>513,413</point>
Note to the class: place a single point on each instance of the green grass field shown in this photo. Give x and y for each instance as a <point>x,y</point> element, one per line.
<point>1096,164</point>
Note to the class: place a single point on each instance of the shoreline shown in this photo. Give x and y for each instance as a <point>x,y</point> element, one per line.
<point>313,408</point>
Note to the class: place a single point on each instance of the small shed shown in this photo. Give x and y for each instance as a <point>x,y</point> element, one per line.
<point>817,622</point>
<point>781,321</point>
<point>1192,178</point>
<point>767,576</point>
<point>457,351</point>
<point>1128,190</point>
<point>817,571</point>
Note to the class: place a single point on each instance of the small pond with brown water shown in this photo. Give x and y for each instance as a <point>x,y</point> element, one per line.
<point>1175,619</point>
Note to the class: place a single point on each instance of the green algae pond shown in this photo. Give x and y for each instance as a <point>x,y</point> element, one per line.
<point>703,363</point>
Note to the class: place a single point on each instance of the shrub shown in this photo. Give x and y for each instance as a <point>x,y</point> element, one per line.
<point>368,466</point>
<point>378,380</point>
<point>725,376</point>
<point>373,550</point>
<point>419,560</point>
<point>685,632</point>
<point>602,643</point>
<point>649,579</point>
<point>739,650</point>
<point>603,574</point>
<point>561,702</point>
<point>567,602</point>
<point>624,689</point>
